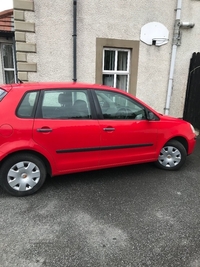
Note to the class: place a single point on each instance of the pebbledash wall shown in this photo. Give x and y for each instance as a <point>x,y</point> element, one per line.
<point>44,43</point>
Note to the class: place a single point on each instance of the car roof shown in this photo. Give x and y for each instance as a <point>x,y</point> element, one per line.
<point>55,85</point>
<point>28,86</point>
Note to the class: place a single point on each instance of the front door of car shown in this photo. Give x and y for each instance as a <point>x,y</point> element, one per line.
<point>126,134</point>
<point>65,129</point>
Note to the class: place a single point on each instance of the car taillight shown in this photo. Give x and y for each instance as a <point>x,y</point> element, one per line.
<point>2,93</point>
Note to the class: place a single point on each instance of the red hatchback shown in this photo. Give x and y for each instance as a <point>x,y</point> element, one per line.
<point>60,128</point>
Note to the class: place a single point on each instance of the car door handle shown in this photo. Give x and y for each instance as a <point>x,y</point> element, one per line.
<point>44,130</point>
<point>108,129</point>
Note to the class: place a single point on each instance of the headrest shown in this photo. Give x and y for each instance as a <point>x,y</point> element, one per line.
<point>80,105</point>
<point>63,99</point>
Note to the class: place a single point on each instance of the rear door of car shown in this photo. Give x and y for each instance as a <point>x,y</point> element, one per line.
<point>126,134</point>
<point>66,128</point>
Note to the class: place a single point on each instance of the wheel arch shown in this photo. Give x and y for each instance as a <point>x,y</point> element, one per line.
<point>181,140</point>
<point>31,152</point>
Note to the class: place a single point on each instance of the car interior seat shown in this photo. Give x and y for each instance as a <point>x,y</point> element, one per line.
<point>80,106</point>
<point>65,100</point>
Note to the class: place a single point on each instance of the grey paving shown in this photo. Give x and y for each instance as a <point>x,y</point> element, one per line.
<point>123,217</point>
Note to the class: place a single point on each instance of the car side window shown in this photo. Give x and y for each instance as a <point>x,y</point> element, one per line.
<point>25,109</point>
<point>118,106</point>
<point>65,104</point>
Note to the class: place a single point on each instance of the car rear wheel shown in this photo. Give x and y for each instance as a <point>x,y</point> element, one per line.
<point>22,174</point>
<point>172,156</point>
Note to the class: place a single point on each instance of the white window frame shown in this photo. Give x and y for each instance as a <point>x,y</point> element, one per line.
<point>116,72</point>
<point>2,60</point>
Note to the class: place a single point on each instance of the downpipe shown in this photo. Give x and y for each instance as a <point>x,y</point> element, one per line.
<point>173,56</point>
<point>74,40</point>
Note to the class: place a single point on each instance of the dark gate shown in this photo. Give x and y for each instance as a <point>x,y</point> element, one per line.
<point>192,99</point>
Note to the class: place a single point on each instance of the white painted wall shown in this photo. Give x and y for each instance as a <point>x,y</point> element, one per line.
<point>119,19</point>
<point>190,43</point>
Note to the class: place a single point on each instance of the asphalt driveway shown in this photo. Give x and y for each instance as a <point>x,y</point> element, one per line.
<point>123,217</point>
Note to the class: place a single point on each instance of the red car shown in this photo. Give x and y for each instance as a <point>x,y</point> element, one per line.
<point>60,128</point>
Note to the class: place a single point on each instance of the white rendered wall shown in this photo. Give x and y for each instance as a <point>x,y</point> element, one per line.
<point>190,43</point>
<point>119,19</point>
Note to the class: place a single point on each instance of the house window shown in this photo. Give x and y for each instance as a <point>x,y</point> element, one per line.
<point>8,63</point>
<point>117,63</point>
<point>116,68</point>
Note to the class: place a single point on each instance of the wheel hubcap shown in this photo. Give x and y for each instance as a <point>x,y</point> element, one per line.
<point>23,176</point>
<point>169,156</point>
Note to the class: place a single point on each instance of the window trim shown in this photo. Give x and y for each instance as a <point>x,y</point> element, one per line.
<point>2,60</point>
<point>102,43</point>
<point>116,72</point>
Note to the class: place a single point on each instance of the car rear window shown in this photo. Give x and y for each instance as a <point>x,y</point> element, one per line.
<point>2,93</point>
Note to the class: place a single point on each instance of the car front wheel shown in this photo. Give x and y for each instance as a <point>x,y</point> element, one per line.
<point>22,174</point>
<point>172,156</point>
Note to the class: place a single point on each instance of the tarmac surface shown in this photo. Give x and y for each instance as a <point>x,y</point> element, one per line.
<point>122,217</point>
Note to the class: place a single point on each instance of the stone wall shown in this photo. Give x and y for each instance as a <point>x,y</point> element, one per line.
<point>23,47</point>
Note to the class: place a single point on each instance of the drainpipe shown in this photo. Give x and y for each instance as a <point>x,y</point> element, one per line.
<point>176,42</point>
<point>74,40</point>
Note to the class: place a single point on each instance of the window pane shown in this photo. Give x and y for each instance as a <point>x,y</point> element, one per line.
<point>106,101</point>
<point>9,77</point>
<point>122,60</point>
<point>117,106</point>
<point>8,56</point>
<point>108,79</point>
<point>26,107</point>
<point>66,104</point>
<point>51,99</point>
<point>81,105</point>
<point>109,60</point>
<point>122,82</point>
<point>2,94</point>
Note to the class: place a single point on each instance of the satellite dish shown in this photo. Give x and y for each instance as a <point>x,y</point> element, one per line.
<point>154,33</point>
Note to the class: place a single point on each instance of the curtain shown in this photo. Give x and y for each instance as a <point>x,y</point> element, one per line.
<point>122,82</point>
<point>8,56</point>
<point>122,60</point>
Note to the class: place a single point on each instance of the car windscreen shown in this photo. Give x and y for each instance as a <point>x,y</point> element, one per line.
<point>2,93</point>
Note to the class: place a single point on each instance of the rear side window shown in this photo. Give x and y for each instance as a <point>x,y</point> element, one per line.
<point>2,93</point>
<point>65,104</point>
<point>26,107</point>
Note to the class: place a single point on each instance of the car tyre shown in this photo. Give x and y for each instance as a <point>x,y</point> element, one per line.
<point>22,174</point>
<point>172,156</point>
